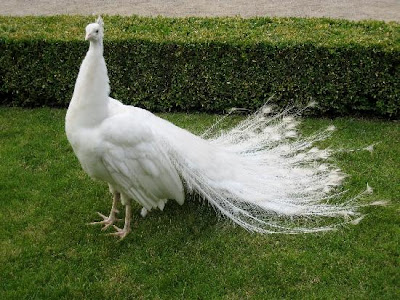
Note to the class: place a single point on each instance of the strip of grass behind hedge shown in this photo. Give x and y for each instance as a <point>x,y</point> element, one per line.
<point>208,64</point>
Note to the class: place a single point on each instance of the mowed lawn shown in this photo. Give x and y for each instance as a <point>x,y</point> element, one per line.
<point>186,252</point>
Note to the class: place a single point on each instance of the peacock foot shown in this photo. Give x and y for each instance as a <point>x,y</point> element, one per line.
<point>107,221</point>
<point>121,233</point>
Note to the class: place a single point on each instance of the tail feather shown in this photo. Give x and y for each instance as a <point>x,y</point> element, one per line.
<point>264,177</point>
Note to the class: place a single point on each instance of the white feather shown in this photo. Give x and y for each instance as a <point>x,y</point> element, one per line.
<point>357,221</point>
<point>379,203</point>
<point>370,148</point>
<point>369,189</point>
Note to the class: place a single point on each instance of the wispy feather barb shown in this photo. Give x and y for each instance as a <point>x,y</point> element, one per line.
<point>265,178</point>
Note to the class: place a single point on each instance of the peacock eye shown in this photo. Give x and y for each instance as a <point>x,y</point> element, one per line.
<point>97,31</point>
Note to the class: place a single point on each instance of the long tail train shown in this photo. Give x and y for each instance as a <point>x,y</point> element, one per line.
<point>264,177</point>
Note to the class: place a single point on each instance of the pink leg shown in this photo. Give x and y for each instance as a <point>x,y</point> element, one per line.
<point>122,233</point>
<point>108,221</point>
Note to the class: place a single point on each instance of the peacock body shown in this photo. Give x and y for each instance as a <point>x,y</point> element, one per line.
<point>259,174</point>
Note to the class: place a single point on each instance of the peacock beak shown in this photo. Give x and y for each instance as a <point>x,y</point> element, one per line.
<point>88,36</point>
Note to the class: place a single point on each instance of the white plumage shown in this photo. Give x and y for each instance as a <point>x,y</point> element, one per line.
<point>258,174</point>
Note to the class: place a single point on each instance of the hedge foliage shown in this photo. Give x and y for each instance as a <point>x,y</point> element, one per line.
<point>209,64</point>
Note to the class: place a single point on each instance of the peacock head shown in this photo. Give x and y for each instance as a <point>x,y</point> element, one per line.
<point>95,31</point>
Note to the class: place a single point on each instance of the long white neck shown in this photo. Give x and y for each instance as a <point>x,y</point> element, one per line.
<point>90,97</point>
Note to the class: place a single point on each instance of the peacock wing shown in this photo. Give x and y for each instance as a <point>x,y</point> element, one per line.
<point>134,156</point>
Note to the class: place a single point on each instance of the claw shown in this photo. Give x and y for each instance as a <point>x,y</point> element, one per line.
<point>111,219</point>
<point>122,233</point>
<point>107,221</point>
<point>106,226</point>
<point>101,215</point>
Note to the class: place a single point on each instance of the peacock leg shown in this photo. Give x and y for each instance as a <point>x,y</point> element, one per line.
<point>108,221</point>
<point>122,233</point>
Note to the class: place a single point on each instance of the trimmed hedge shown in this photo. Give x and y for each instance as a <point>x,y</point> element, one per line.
<point>209,64</point>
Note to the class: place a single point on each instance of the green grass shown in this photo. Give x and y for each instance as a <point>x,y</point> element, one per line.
<point>185,252</point>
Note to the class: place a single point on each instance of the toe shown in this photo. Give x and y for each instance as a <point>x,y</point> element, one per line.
<point>101,215</point>
<point>106,225</point>
<point>121,233</point>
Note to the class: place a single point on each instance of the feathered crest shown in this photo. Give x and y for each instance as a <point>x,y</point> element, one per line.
<point>100,21</point>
